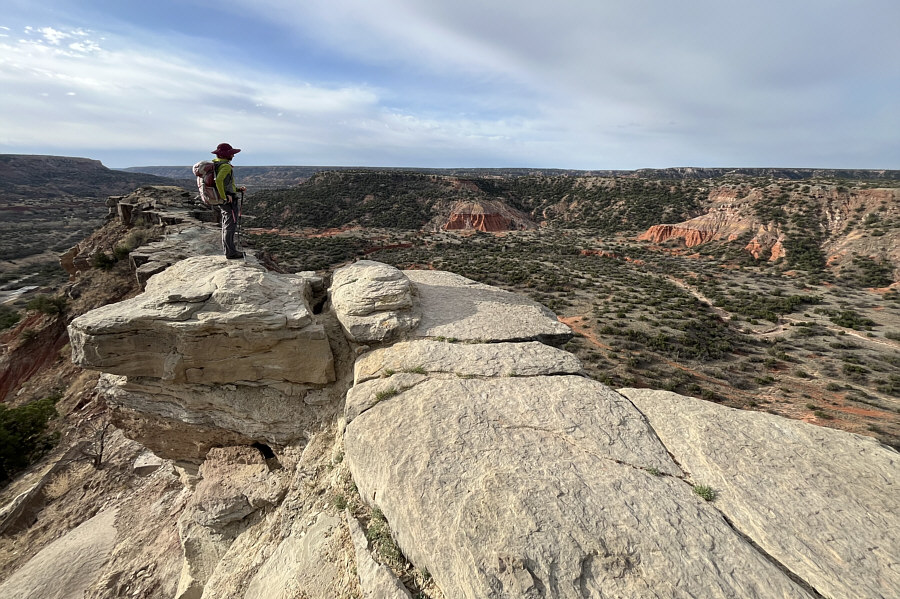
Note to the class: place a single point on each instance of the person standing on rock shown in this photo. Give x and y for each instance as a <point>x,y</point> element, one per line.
<point>230,209</point>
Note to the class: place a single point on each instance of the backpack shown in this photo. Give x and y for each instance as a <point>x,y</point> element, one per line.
<point>205,170</point>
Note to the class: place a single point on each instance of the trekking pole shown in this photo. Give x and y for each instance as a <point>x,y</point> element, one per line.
<point>239,213</point>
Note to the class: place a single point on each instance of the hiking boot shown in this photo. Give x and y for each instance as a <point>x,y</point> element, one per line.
<point>236,256</point>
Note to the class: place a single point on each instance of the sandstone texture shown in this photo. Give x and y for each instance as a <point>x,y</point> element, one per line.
<point>481,359</point>
<point>180,243</point>
<point>545,487</point>
<point>373,301</point>
<point>297,568</point>
<point>822,502</point>
<point>235,483</point>
<point>207,320</point>
<point>67,567</point>
<point>454,307</point>
<point>272,415</point>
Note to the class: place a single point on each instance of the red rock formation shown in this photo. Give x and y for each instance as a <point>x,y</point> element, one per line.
<point>487,216</point>
<point>477,222</point>
<point>777,251</point>
<point>23,356</point>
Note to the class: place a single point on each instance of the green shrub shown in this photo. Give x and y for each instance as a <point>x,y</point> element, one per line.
<point>379,534</point>
<point>23,438</point>
<point>103,261</point>
<point>706,492</point>
<point>851,319</point>
<point>386,394</point>
<point>47,305</point>
<point>8,317</point>
<point>120,252</point>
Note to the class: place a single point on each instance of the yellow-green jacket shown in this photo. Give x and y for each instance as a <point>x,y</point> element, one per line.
<point>225,185</point>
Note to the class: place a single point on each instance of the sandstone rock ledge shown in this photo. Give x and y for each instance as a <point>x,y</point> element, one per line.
<point>822,502</point>
<point>501,469</point>
<point>212,352</point>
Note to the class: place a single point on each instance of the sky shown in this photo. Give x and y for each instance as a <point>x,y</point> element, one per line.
<point>574,84</point>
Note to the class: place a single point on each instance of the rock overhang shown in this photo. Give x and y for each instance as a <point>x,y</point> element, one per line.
<point>207,320</point>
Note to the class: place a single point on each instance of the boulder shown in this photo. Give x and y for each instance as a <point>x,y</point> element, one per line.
<point>373,301</point>
<point>824,503</point>
<point>147,463</point>
<point>207,320</point>
<point>457,308</point>
<point>545,487</point>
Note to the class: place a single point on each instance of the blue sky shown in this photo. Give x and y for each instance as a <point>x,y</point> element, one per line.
<point>582,84</point>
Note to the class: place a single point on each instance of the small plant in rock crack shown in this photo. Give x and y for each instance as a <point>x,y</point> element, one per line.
<point>706,492</point>
<point>379,534</point>
<point>386,394</point>
<point>416,370</point>
<point>339,502</point>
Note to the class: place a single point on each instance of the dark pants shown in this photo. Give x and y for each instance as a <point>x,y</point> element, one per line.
<point>229,226</point>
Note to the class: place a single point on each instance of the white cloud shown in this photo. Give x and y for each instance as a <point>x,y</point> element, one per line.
<point>53,36</point>
<point>129,97</point>
<point>724,83</point>
<point>568,83</point>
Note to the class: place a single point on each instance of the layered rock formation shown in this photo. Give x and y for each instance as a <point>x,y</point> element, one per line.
<point>487,216</point>
<point>500,468</point>
<point>206,321</point>
<point>35,176</point>
<point>730,216</point>
<point>849,221</point>
<point>210,346</point>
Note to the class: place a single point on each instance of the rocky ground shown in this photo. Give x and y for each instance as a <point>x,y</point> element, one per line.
<point>388,433</point>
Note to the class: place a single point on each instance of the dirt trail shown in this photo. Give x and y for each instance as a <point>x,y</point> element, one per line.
<point>724,314</point>
<point>784,322</point>
<point>580,325</point>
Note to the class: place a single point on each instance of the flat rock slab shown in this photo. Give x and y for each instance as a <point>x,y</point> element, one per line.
<point>68,566</point>
<point>545,487</point>
<point>823,502</point>
<point>454,307</point>
<point>467,359</point>
<point>207,320</point>
<point>181,242</point>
